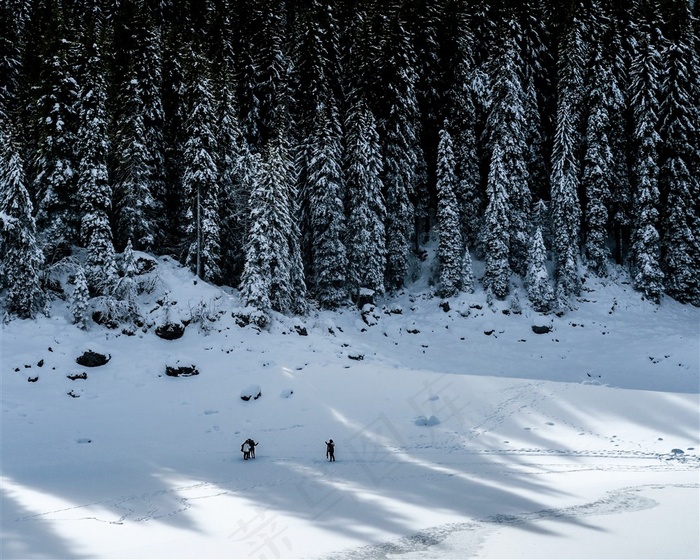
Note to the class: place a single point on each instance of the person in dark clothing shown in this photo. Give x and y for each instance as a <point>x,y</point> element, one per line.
<point>330,450</point>
<point>252,444</point>
<point>245,448</point>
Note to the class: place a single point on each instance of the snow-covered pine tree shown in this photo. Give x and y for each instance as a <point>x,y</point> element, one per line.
<point>21,259</point>
<point>565,206</point>
<point>273,276</point>
<point>451,247</point>
<point>645,255</point>
<point>288,289</point>
<point>598,174</point>
<point>126,288</point>
<point>539,289</point>
<point>365,237</point>
<point>135,205</point>
<point>53,125</point>
<point>462,111</point>
<point>13,20</point>
<point>233,163</point>
<point>148,65</point>
<point>467,272</point>
<point>200,177</point>
<point>619,49</point>
<point>399,128</point>
<point>80,299</point>
<point>256,279</point>
<point>233,157</point>
<point>94,190</point>
<point>507,129</point>
<point>325,190</point>
<point>496,229</point>
<point>679,175</point>
<point>535,59</point>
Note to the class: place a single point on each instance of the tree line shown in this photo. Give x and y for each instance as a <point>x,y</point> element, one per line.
<point>305,151</point>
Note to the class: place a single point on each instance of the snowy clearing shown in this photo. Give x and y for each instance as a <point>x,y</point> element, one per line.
<point>581,442</point>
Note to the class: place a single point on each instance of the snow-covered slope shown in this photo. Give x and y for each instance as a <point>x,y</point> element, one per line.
<point>459,433</point>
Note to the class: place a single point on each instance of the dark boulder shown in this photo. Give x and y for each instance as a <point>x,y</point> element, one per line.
<point>544,329</point>
<point>181,371</point>
<point>366,296</point>
<point>251,392</point>
<point>92,359</point>
<point>170,331</point>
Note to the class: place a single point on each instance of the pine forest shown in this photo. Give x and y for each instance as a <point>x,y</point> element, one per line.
<point>308,152</point>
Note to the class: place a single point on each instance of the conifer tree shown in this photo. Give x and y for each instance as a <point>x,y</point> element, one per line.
<point>495,236</point>
<point>366,236</point>
<point>451,247</point>
<point>539,289</point>
<point>54,123</point>
<point>679,175</point>
<point>326,194</point>
<point>399,133</point>
<point>234,166</point>
<point>135,204</point>
<point>94,189</point>
<point>273,276</point>
<point>598,172</point>
<point>80,299</point>
<point>126,288</point>
<point>200,178</point>
<point>565,206</point>
<point>645,251</point>
<point>22,260</point>
<point>463,119</point>
<point>467,276</point>
<point>507,129</point>
<point>256,279</point>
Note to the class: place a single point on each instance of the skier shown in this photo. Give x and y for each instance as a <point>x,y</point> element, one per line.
<point>245,448</point>
<point>252,444</point>
<point>330,450</point>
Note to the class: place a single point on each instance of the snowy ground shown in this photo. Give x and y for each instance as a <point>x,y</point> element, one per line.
<point>451,443</point>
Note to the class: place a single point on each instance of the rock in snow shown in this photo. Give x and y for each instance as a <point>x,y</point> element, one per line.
<point>251,392</point>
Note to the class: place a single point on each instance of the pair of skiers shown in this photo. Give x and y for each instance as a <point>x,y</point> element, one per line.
<point>248,449</point>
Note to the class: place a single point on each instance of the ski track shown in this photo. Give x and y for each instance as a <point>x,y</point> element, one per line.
<point>144,507</point>
<point>624,500</point>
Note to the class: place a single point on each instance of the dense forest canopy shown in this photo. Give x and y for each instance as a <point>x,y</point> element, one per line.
<point>304,150</point>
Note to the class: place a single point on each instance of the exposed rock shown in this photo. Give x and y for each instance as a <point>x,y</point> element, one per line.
<point>251,392</point>
<point>369,314</point>
<point>33,379</point>
<point>445,305</point>
<point>104,320</point>
<point>181,371</point>
<point>92,359</point>
<point>170,331</point>
<point>301,330</point>
<point>544,329</point>
<point>366,296</point>
<point>145,265</point>
<point>77,376</point>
